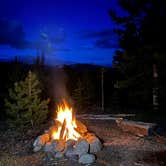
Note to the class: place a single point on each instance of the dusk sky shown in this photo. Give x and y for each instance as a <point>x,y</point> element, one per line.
<point>70,31</point>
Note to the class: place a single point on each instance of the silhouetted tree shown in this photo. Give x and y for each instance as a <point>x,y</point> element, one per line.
<point>141,37</point>
<point>84,92</point>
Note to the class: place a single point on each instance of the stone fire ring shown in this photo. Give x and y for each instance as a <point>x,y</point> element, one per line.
<point>83,150</point>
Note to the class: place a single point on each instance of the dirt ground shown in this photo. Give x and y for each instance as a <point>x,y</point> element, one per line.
<point>120,148</point>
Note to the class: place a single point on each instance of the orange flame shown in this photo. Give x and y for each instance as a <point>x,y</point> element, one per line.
<point>65,115</point>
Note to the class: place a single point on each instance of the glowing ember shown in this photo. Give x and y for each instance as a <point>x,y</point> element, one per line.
<point>68,125</point>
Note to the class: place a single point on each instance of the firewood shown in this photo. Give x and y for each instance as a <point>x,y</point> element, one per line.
<point>63,129</point>
<point>81,128</point>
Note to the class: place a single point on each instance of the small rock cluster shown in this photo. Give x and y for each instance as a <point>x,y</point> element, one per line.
<point>83,150</point>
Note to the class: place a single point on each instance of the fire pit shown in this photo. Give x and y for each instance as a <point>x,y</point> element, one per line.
<point>68,138</point>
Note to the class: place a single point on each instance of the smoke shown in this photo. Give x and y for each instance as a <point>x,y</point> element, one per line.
<point>59,77</point>
<point>59,86</point>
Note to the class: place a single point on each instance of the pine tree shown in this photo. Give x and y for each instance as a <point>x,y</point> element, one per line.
<point>84,92</point>
<point>24,106</point>
<point>141,35</point>
<point>78,94</point>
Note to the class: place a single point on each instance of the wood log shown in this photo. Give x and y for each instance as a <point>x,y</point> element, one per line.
<point>137,128</point>
<point>53,129</point>
<point>81,128</point>
<point>63,129</point>
<point>97,117</point>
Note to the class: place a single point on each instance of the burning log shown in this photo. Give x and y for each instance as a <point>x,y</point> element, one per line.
<point>63,130</point>
<point>81,128</point>
<point>54,129</point>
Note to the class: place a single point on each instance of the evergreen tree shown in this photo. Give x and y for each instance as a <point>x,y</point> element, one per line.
<point>24,106</point>
<point>141,36</point>
<point>84,92</point>
<point>78,94</point>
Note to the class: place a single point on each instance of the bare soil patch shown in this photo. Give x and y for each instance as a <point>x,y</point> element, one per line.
<point>120,148</point>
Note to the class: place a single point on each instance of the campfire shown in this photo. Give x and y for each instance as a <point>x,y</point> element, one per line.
<point>68,126</point>
<point>68,138</point>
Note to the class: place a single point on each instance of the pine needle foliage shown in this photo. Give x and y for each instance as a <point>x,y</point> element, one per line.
<point>24,106</point>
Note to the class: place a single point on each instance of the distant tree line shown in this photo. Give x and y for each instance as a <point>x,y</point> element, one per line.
<point>82,83</point>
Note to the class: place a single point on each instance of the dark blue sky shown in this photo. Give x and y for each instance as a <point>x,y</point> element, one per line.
<point>70,31</point>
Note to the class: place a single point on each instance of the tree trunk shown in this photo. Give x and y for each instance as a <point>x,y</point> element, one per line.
<point>155,88</point>
<point>102,89</point>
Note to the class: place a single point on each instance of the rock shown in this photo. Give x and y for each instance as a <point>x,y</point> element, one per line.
<point>95,144</point>
<point>60,146</point>
<point>59,155</point>
<point>48,147</point>
<point>87,159</point>
<point>55,146</point>
<point>81,128</point>
<point>81,147</point>
<point>70,143</point>
<point>70,153</point>
<point>37,148</point>
<point>137,128</point>
<point>49,156</point>
<point>40,142</point>
<point>54,142</point>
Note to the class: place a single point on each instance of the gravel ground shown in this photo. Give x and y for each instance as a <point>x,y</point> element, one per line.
<point>125,149</point>
<point>120,148</point>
